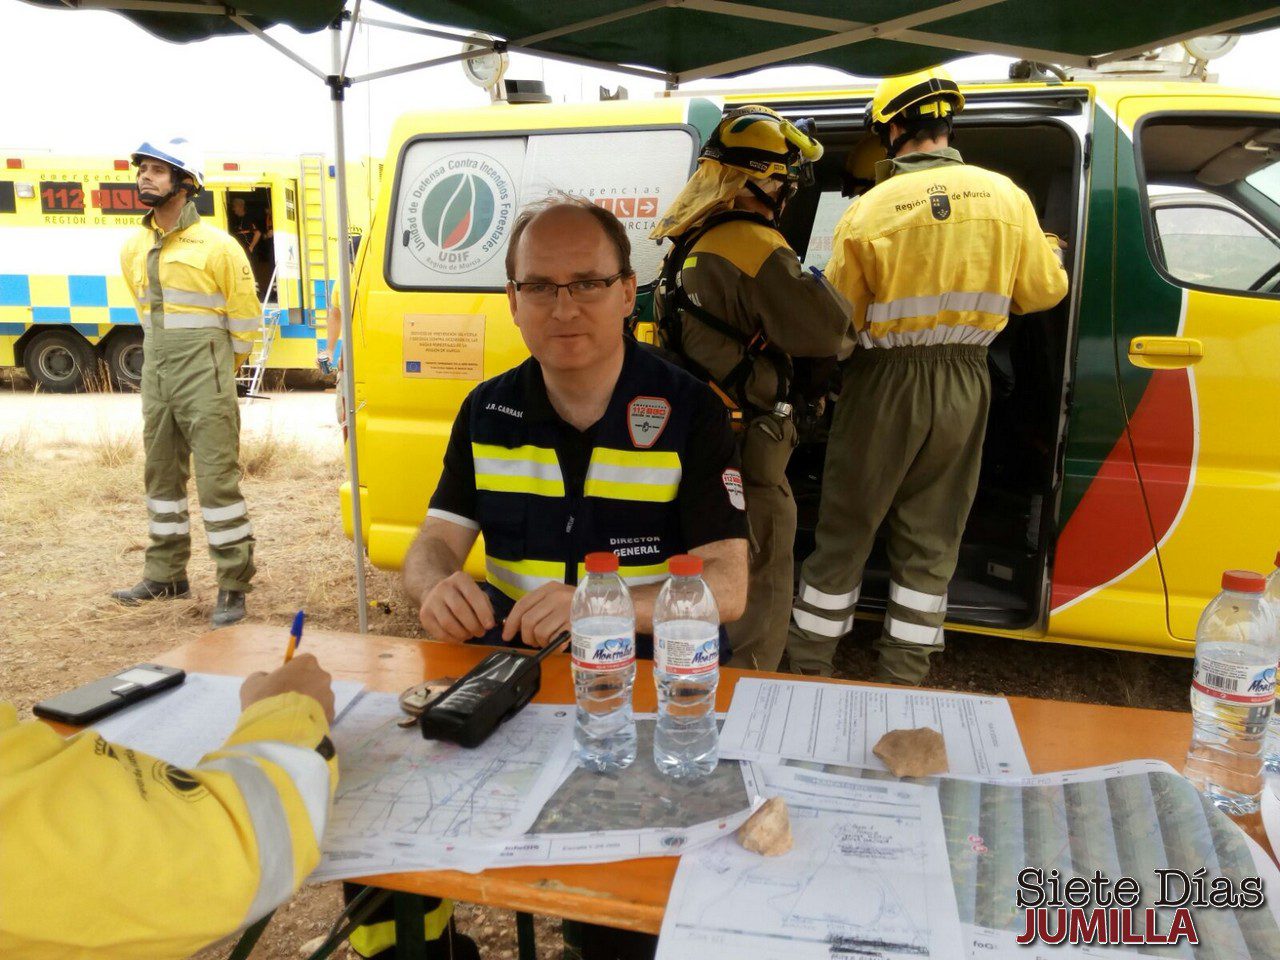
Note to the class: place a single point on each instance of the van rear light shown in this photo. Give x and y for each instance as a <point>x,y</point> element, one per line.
<point>13,163</point>
<point>231,166</point>
<point>121,164</point>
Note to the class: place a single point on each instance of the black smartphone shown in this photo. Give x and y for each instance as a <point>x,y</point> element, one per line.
<point>102,697</point>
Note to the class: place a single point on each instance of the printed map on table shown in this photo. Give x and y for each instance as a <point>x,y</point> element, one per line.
<point>407,803</point>
<point>637,812</point>
<point>1123,820</point>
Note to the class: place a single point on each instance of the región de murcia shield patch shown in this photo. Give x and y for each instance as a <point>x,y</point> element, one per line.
<point>939,202</point>
<point>646,419</point>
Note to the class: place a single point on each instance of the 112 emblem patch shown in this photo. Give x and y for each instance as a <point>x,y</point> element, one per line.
<point>646,419</point>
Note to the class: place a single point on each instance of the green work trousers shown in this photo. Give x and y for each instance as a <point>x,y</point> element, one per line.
<point>905,447</point>
<point>189,410</point>
<point>760,635</point>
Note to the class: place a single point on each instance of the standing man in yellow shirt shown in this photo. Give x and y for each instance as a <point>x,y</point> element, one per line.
<point>933,259</point>
<point>195,294</point>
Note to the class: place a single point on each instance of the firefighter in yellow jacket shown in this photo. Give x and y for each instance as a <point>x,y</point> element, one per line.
<point>737,305</point>
<point>112,855</point>
<point>198,306</point>
<point>933,259</point>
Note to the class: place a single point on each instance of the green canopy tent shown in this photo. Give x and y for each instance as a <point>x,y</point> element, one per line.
<point>678,41</point>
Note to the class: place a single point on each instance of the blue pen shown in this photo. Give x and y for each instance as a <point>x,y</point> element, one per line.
<point>295,635</point>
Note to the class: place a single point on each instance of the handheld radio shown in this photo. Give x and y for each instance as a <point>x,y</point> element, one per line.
<point>495,689</point>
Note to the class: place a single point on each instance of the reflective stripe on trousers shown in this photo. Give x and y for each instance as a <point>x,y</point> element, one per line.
<point>370,939</point>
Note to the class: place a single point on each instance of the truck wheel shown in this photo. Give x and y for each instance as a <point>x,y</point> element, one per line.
<point>59,360</point>
<point>124,360</point>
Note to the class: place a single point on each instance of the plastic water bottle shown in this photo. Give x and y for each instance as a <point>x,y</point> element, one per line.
<point>1271,753</point>
<point>686,669</point>
<point>1233,693</point>
<point>603,622</point>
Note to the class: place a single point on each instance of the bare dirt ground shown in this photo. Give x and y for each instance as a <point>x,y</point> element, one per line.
<point>73,528</point>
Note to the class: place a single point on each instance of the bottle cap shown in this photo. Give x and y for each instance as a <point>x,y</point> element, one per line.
<point>1245,581</point>
<point>685,565</point>
<point>602,562</point>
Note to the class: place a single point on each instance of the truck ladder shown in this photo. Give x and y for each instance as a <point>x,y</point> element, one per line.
<point>314,213</point>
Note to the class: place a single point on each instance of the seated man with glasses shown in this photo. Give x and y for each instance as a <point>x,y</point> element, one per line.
<point>593,444</point>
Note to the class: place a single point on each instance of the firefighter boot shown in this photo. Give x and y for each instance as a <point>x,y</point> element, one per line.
<point>150,590</point>
<point>229,609</point>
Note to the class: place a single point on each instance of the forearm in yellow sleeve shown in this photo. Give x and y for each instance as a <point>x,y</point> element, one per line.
<point>1041,280</point>
<point>115,855</point>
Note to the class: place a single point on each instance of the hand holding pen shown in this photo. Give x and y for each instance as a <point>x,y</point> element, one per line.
<point>295,635</point>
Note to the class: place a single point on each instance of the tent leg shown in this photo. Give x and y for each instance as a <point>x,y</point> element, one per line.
<point>337,88</point>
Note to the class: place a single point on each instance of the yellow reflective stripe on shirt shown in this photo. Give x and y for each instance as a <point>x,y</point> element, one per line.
<point>635,575</point>
<point>954,301</point>
<point>526,469</point>
<point>515,578</point>
<point>648,475</point>
<point>370,939</point>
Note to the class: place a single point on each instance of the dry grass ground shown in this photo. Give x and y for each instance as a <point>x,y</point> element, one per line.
<point>73,527</point>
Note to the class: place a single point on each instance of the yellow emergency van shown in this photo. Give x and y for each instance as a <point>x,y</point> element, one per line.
<point>1131,454</point>
<point>65,312</point>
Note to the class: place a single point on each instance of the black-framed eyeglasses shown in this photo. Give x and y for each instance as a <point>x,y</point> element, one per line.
<point>583,291</point>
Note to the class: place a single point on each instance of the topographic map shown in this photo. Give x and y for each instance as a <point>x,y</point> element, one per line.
<point>407,803</point>
<point>1124,820</point>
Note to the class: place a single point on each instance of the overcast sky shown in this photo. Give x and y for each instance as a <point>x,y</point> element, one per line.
<point>91,82</point>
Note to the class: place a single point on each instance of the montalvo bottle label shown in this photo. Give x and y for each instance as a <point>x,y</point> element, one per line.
<point>685,656</point>
<point>1236,682</point>
<point>608,652</point>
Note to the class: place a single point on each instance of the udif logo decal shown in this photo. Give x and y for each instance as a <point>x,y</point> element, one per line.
<point>457,213</point>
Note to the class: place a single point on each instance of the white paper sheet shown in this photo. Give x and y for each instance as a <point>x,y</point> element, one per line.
<point>772,720</point>
<point>868,877</point>
<point>405,803</point>
<point>194,718</point>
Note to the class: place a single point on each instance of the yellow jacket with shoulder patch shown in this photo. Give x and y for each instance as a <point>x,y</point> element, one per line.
<point>743,272</point>
<point>942,252</point>
<point>193,277</point>
<point>113,855</point>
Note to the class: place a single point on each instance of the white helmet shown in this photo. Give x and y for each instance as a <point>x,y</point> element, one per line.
<point>179,153</point>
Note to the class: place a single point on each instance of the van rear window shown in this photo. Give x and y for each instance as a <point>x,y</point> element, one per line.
<point>456,199</point>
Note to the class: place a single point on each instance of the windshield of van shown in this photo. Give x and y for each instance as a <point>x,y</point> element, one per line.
<point>1267,182</point>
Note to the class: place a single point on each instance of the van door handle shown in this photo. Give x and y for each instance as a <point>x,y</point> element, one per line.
<point>1165,353</point>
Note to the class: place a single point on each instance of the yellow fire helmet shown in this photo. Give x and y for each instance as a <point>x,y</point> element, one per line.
<point>911,100</point>
<point>755,139</point>
<point>859,174</point>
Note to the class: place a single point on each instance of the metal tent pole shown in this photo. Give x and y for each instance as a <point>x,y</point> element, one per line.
<point>338,84</point>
